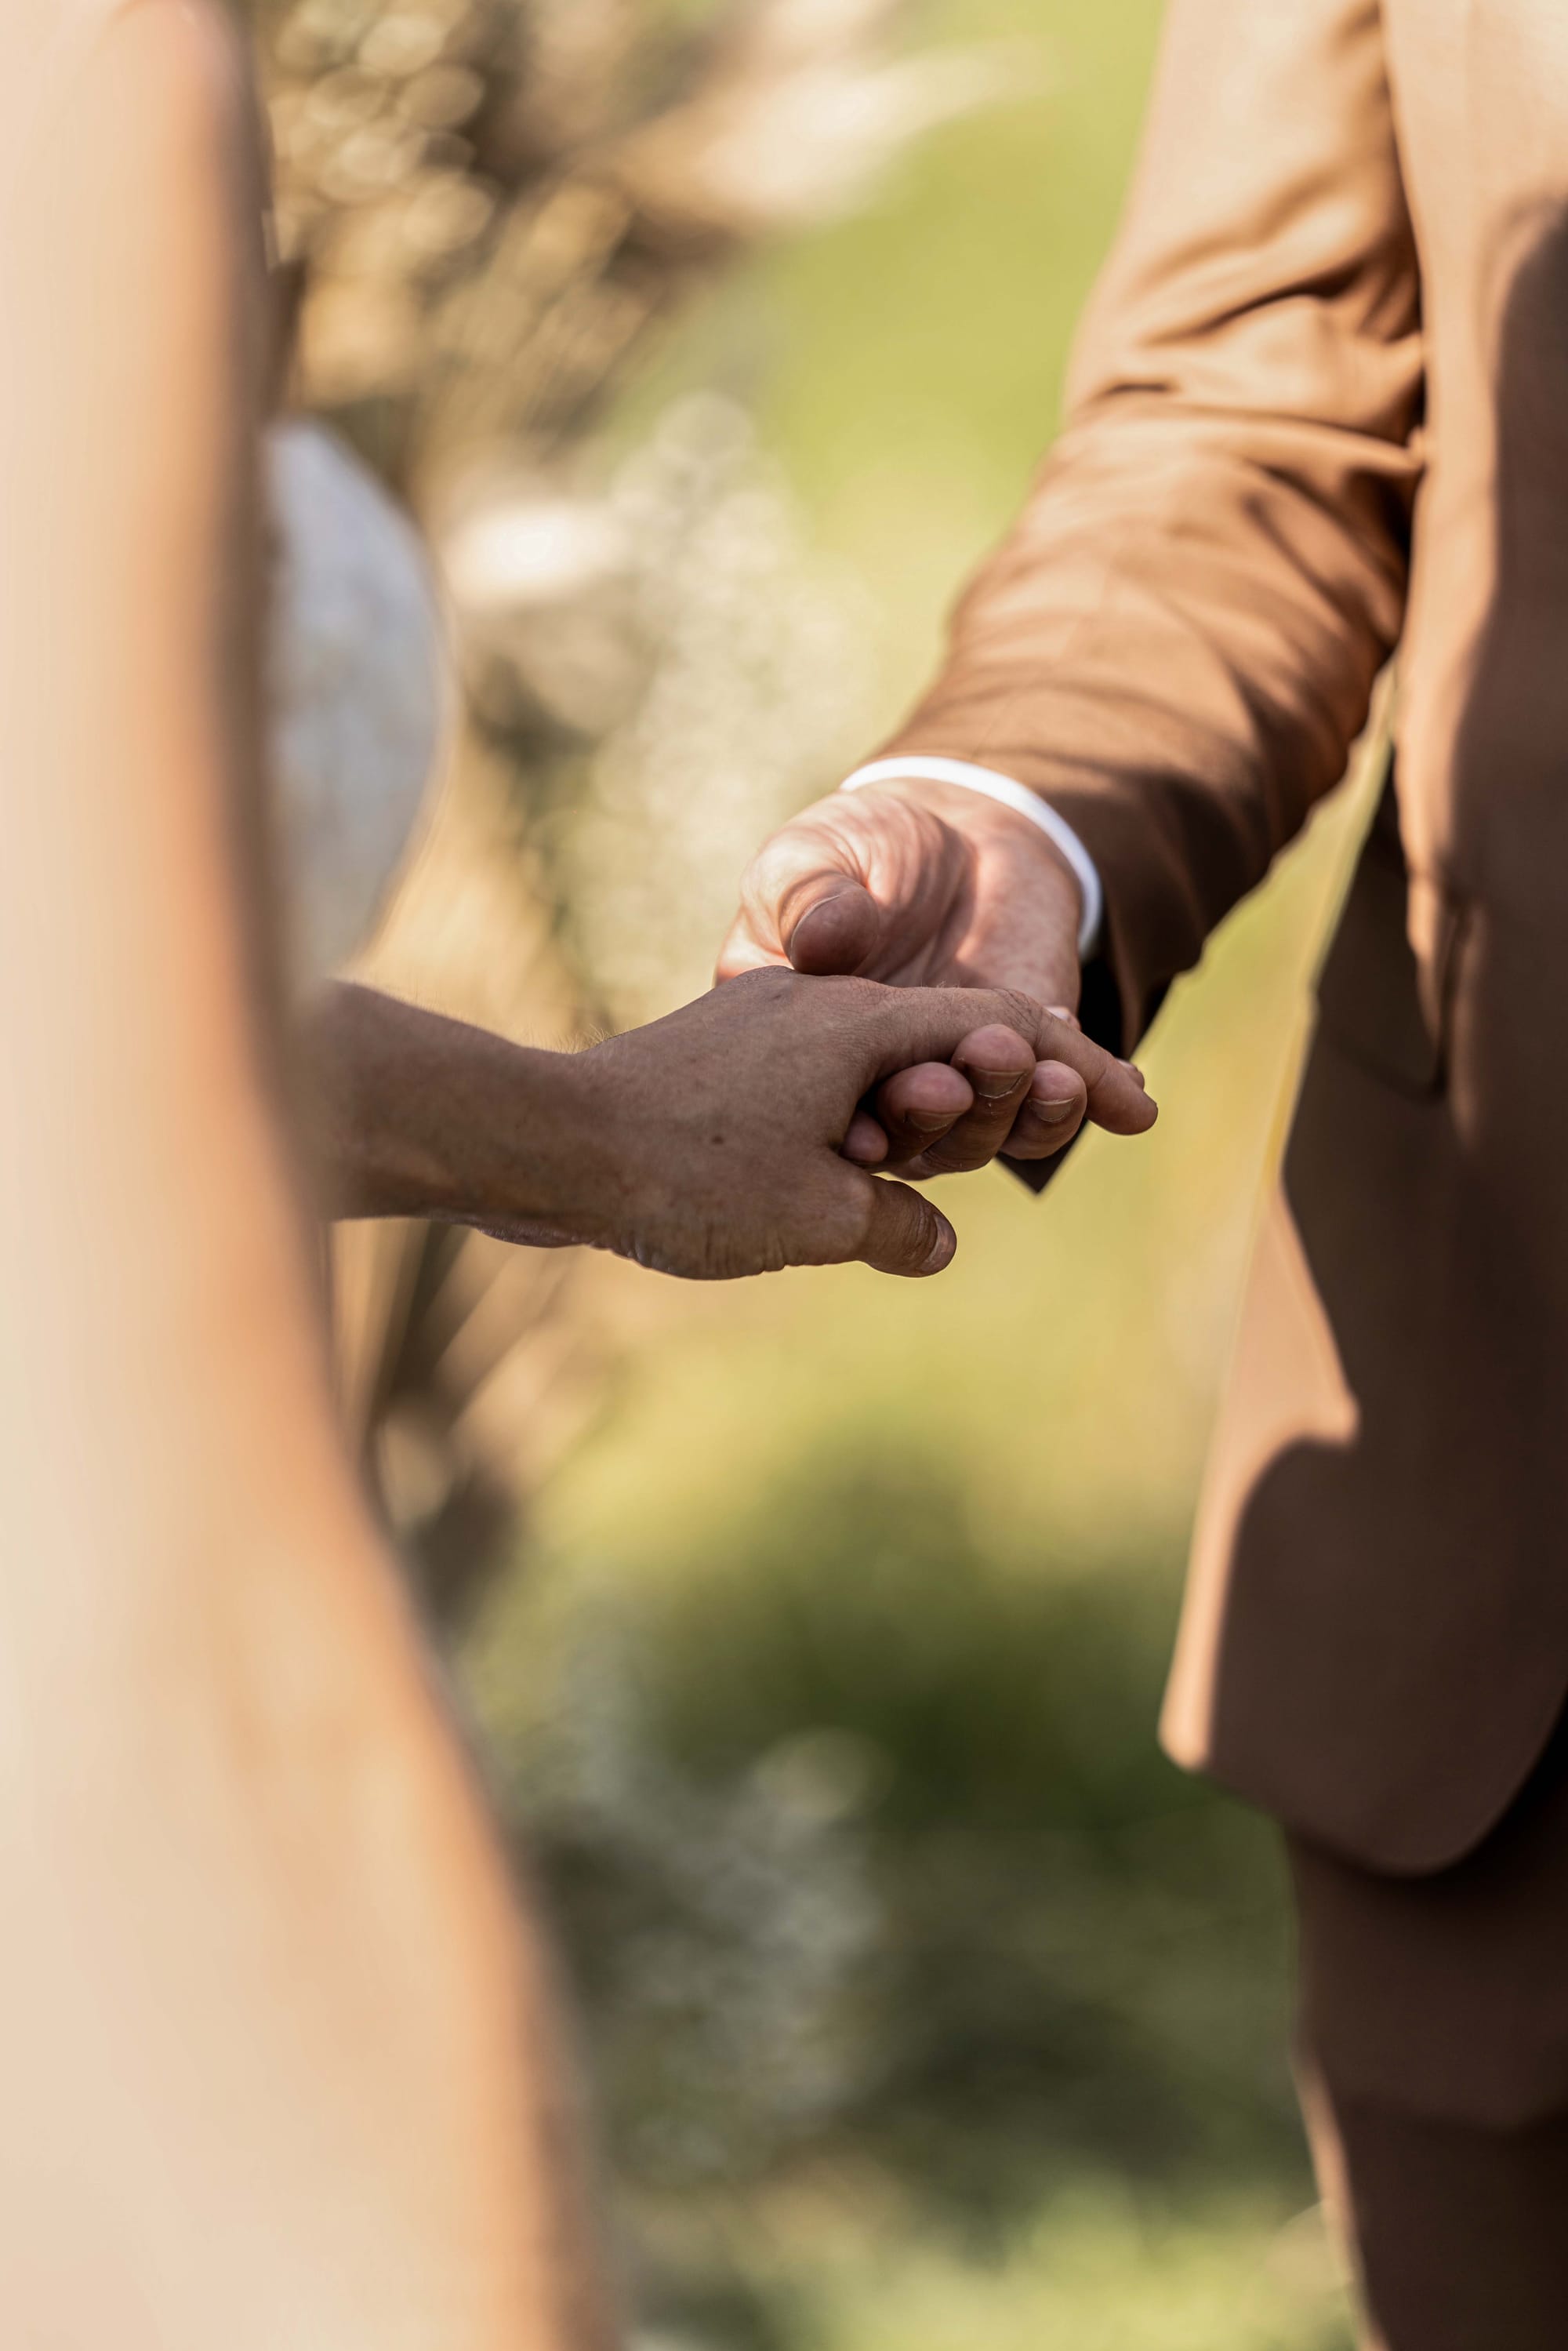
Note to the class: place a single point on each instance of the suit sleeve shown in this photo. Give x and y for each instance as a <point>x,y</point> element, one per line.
<point>1177,643</point>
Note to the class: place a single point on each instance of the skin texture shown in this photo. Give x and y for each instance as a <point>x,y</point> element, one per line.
<point>924,885</point>
<point>282,2063</point>
<point>711,1143</point>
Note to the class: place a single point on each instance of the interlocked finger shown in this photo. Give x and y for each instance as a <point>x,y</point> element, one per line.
<point>998,1065</point>
<point>1050,1112</point>
<point>918,1108</point>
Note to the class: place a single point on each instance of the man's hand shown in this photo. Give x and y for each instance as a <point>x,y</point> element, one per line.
<point>924,884</point>
<point>721,1141</point>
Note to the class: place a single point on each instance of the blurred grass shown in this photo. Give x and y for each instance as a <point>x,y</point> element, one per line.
<point>929,2005</point>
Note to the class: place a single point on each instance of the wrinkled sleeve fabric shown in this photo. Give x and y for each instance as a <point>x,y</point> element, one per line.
<point>1177,643</point>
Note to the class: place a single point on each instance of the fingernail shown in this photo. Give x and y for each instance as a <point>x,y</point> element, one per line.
<point>928,1121</point>
<point>1053,1112</point>
<point>939,1256</point>
<point>1133,1071</point>
<point>992,1084</point>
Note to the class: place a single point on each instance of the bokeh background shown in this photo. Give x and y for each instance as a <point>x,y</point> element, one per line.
<point>812,1631</point>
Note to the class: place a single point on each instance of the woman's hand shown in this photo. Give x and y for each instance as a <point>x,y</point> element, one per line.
<point>721,1141</point>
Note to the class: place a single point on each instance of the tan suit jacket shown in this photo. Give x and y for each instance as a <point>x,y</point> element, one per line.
<point>1320,407</point>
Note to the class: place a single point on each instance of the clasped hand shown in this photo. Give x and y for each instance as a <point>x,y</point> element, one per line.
<point>762,1108</point>
<point>736,1136</point>
<point>882,1009</point>
<point>921,884</point>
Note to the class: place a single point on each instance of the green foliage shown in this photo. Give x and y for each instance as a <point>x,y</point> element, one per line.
<point>977,1736</point>
<point>868,1868</point>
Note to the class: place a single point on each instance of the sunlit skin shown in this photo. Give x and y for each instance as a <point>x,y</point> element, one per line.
<point>711,1143</point>
<point>924,885</point>
<point>415,1118</point>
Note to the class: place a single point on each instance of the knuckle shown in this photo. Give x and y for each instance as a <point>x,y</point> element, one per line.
<point>856,1001</point>
<point>960,1157</point>
<point>772,983</point>
<point>762,873</point>
<point>846,1224</point>
<point>902,1215</point>
<point>1018,1010</point>
<point>778,852</point>
<point>834,1223</point>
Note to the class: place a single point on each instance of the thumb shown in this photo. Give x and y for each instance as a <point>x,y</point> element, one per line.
<point>830,924</point>
<point>904,1233</point>
<point>804,902</point>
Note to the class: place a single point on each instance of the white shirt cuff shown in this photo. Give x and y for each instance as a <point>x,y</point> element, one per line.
<point>969,777</point>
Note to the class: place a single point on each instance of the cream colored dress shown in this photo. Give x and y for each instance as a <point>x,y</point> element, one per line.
<point>361,689</point>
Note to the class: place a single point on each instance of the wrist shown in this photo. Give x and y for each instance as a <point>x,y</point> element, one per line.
<point>412,1114</point>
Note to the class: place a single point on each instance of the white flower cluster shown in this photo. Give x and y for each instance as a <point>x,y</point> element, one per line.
<point>759,693</point>
<point>723,673</point>
<point>747,1912</point>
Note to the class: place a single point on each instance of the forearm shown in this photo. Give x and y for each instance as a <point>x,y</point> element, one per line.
<point>1178,642</point>
<point>1172,698</point>
<point>414,1114</point>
